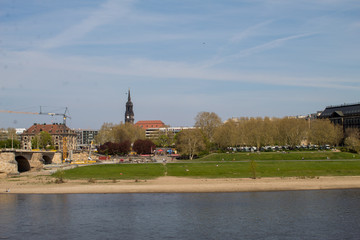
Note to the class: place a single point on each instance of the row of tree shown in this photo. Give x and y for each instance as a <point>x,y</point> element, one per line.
<point>210,133</point>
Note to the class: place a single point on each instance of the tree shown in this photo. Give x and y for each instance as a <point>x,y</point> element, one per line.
<point>9,143</point>
<point>190,142</point>
<point>110,148</point>
<point>165,139</point>
<point>11,138</point>
<point>291,132</point>
<point>322,132</point>
<point>227,135</point>
<point>254,128</point>
<point>43,140</point>
<point>352,140</point>
<point>208,122</point>
<point>118,133</point>
<point>144,146</point>
<point>128,132</point>
<point>105,134</point>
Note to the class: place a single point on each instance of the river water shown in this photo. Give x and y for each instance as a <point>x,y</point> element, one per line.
<point>323,214</point>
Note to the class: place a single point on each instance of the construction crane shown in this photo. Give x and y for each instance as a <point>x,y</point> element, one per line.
<point>64,115</point>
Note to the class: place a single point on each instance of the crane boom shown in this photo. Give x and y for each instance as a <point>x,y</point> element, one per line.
<point>42,113</point>
<point>7,111</point>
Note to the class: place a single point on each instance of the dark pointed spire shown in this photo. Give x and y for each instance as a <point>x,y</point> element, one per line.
<point>129,113</point>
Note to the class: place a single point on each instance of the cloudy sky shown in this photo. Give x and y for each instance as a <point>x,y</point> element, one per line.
<point>179,57</point>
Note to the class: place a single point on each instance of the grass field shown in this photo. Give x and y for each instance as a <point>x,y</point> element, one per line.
<point>265,169</point>
<point>114,171</point>
<point>216,170</point>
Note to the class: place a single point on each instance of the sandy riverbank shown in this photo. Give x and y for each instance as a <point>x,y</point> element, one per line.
<point>43,184</point>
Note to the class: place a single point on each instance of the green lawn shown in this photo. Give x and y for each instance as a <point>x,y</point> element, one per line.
<point>316,155</point>
<point>216,170</point>
<point>265,169</point>
<point>115,171</point>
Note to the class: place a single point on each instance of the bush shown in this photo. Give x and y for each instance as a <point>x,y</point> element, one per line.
<point>144,146</point>
<point>110,148</point>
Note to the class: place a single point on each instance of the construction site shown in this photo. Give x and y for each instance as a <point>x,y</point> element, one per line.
<point>31,156</point>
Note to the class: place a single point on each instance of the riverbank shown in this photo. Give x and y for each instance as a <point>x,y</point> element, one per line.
<point>43,184</point>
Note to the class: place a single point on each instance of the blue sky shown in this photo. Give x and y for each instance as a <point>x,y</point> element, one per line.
<point>235,58</point>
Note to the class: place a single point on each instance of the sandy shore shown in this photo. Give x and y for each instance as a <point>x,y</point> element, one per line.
<point>41,184</point>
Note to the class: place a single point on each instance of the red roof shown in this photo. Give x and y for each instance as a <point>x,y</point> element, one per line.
<point>150,124</point>
<point>50,128</point>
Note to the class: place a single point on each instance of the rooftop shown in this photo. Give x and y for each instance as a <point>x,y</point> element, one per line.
<point>55,128</point>
<point>342,110</point>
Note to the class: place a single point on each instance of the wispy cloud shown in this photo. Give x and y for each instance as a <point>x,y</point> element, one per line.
<point>253,50</point>
<point>249,32</point>
<point>269,45</point>
<point>107,12</point>
<point>142,68</point>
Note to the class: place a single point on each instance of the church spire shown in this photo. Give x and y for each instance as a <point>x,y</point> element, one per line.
<point>129,113</point>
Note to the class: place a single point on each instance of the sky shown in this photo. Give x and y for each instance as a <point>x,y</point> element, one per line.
<point>237,58</point>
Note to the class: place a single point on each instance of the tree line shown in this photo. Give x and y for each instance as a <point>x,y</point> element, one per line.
<point>212,134</point>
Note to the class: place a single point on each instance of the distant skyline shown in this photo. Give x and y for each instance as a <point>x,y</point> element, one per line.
<point>235,58</point>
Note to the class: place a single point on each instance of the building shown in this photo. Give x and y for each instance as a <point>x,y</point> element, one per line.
<point>129,113</point>
<point>347,115</point>
<point>60,133</point>
<point>4,134</point>
<point>154,133</point>
<point>150,124</point>
<point>85,137</point>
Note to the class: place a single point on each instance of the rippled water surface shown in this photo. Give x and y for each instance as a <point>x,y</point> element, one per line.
<point>325,214</point>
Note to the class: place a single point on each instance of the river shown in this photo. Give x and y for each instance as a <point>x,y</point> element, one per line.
<point>316,214</point>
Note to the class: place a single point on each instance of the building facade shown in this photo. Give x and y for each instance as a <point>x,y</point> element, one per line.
<point>154,133</point>
<point>129,113</point>
<point>347,115</point>
<point>150,124</point>
<point>85,137</point>
<point>60,134</point>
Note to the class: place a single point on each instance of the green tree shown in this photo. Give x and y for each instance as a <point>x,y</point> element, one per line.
<point>190,142</point>
<point>43,140</point>
<point>165,139</point>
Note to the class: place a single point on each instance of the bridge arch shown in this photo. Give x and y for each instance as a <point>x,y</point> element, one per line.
<point>23,164</point>
<point>46,159</point>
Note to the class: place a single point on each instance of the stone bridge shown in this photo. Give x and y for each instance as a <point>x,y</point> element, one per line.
<point>16,161</point>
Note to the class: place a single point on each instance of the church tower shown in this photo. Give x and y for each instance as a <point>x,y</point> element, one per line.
<point>129,113</point>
